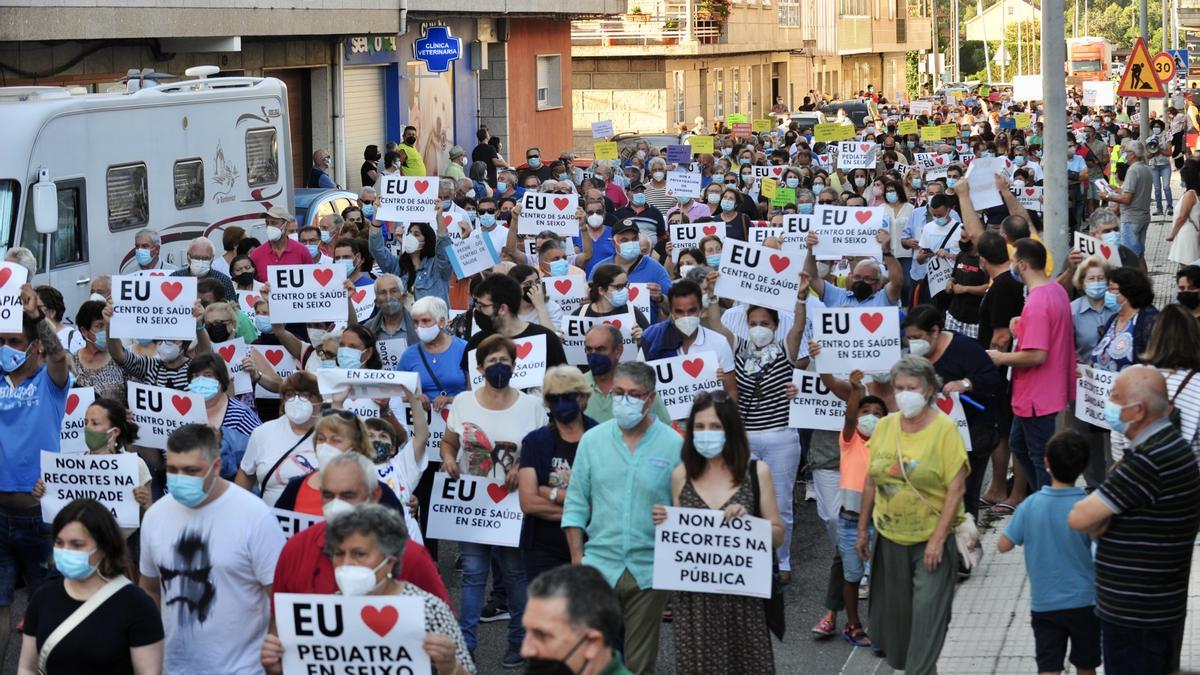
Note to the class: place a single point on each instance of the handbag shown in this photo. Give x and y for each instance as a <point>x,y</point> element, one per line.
<point>773,606</point>
<point>966,535</point>
<point>72,622</point>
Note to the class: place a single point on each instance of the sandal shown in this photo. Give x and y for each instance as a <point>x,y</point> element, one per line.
<point>855,635</point>
<point>1002,509</point>
<point>986,503</point>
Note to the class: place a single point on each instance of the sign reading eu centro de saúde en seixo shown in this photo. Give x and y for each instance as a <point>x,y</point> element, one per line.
<point>437,48</point>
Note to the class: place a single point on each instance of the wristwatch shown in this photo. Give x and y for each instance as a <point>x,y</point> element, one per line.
<point>554,495</point>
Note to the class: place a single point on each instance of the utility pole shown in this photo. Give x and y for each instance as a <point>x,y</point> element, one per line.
<point>1166,29</point>
<point>1054,160</point>
<point>954,45</point>
<point>1144,104</point>
<point>936,70</point>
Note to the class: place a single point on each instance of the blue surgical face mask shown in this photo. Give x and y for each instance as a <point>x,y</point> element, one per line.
<point>713,197</point>
<point>314,250</point>
<point>628,411</point>
<point>817,187</point>
<point>916,182</point>
<point>630,250</point>
<point>349,357</point>
<point>446,204</point>
<point>714,261</point>
<point>562,176</point>
<point>1095,289</point>
<point>348,267</point>
<point>951,182</point>
<point>188,490</point>
<point>1019,160</point>
<point>325,236</point>
<point>101,340</point>
<point>793,183</point>
<point>718,178</point>
<point>709,443</point>
<point>1111,238</point>
<point>727,205</point>
<point>501,186</point>
<point>559,268</point>
<point>534,162</point>
<point>329,363</point>
<point>11,359</point>
<point>941,221</point>
<point>1110,301</point>
<point>910,144</point>
<point>487,220</point>
<point>638,199</point>
<point>1112,415</point>
<point>144,256</point>
<point>620,298</point>
<point>891,197</point>
<point>74,565</point>
<point>744,161</point>
<point>368,211</point>
<point>206,387</point>
<point>263,323</point>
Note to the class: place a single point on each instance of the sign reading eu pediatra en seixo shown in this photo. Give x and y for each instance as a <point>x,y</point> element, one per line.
<point>368,634</point>
<point>12,278</point>
<point>159,308</point>
<point>407,199</point>
<point>759,276</point>
<point>109,479</point>
<point>307,293</point>
<point>698,550</point>
<point>866,339</point>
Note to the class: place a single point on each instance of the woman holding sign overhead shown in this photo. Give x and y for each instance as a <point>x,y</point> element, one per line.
<point>721,633</point>
<point>424,264</point>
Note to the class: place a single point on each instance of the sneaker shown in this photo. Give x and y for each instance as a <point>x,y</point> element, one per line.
<point>824,628</point>
<point>491,613</point>
<point>1158,212</point>
<point>512,657</point>
<point>864,588</point>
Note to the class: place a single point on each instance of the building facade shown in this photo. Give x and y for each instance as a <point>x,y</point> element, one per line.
<point>991,25</point>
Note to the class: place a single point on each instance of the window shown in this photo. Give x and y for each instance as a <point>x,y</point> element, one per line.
<point>10,190</point>
<point>750,91</point>
<point>678,95</point>
<point>262,157</point>
<point>735,104</point>
<point>549,82</point>
<point>718,92</point>
<point>128,197</point>
<point>69,243</point>
<point>789,13</point>
<point>189,183</point>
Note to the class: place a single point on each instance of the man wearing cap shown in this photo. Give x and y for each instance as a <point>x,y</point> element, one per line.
<point>455,168</point>
<point>279,249</point>
<point>645,215</point>
<point>639,268</point>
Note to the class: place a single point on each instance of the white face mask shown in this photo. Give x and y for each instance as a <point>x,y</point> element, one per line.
<point>411,244</point>
<point>199,268</point>
<point>168,351</point>
<point>428,334</point>
<point>688,325</point>
<point>911,403</point>
<point>357,579</point>
<point>274,233</point>
<point>684,269</point>
<point>316,336</point>
<point>326,453</point>
<point>761,336</point>
<point>919,347</point>
<point>595,220</point>
<point>866,427</point>
<point>298,410</point>
<point>335,508</point>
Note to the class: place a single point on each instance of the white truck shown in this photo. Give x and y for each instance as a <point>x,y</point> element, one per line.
<point>81,174</point>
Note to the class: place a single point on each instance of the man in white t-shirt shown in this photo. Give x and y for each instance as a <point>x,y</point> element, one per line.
<point>208,560</point>
<point>683,334</point>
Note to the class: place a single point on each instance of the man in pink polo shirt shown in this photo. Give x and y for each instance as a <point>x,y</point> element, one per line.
<point>1043,365</point>
<point>279,249</point>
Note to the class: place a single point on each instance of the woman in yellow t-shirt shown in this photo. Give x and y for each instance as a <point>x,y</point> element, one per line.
<point>916,477</point>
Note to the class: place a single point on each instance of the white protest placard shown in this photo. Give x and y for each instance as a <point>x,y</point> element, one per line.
<point>1091,391</point>
<point>856,155</point>
<point>246,301</point>
<point>306,293</point>
<point>760,234</point>
<point>281,361</point>
<point>109,479</point>
<point>1099,93</point>
<point>407,199</point>
<point>759,276</point>
<point>541,211</point>
<point>390,351</point>
<point>602,129</point>
<point>363,299</point>
<point>847,231</point>
<point>475,510</point>
<point>233,352</point>
<point>1029,197</point>
<point>575,330</point>
<point>1089,246</point>
<point>351,634</point>
<point>294,522</point>
<point>857,338</point>
<point>1027,88</point>
<point>529,370</point>
<point>639,296</point>
<point>70,440</point>
<point>157,308</point>
<point>158,411</point>
<point>683,184</point>
<point>952,405</point>
<point>680,378</point>
<point>568,291</point>
<point>688,235</point>
<point>918,108</point>
<point>697,550</point>
<point>981,176</point>
<point>815,405</point>
<point>795,234</point>
<point>925,160</point>
<point>772,171</point>
<point>473,254</point>
<point>436,422</point>
<point>366,383</point>
<point>12,278</point>
<point>938,271</point>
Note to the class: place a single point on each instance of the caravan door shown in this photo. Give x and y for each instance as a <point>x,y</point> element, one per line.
<point>64,264</point>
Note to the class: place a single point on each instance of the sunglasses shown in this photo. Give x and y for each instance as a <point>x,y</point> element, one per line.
<point>556,398</point>
<point>486,211</point>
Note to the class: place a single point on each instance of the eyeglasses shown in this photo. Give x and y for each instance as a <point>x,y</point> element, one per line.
<point>485,210</point>
<point>641,396</point>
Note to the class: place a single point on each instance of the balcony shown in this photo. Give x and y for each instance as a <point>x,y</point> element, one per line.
<point>667,24</point>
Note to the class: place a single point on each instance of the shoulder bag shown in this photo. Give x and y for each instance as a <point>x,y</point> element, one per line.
<point>77,617</point>
<point>966,535</point>
<point>262,487</point>
<point>776,619</point>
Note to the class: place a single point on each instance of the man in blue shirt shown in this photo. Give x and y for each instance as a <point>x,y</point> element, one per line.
<point>622,469</point>
<point>598,230</point>
<point>33,400</point>
<point>318,174</point>
<point>639,268</point>
<point>866,281</point>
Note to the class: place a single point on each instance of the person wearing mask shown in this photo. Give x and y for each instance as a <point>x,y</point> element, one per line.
<point>1089,316</point>
<point>168,368</point>
<point>348,253</point>
<point>545,469</point>
<point>717,632</point>
<point>1185,231</point>
<point>147,249</point>
<point>683,334</point>
<point>411,162</point>
<point>737,222</point>
<point>122,632</point>
<point>483,434</point>
<point>487,220</point>
<point>1170,350</point>
<point>1105,226</point>
<point>92,366</point>
<point>1144,511</point>
<point>616,512</point>
<point>454,169</point>
<point>1158,158</point>
<point>913,494</point>
<point>278,450</point>
<point>208,378</point>
<point>366,545</point>
<point>535,308</point>
<point>608,295</point>
<point>1187,283</point>
<point>318,173</point>
<point>497,312</point>
<point>866,286</point>
<point>1129,296</point>
<point>656,188</point>
<point>1134,198</point>
<point>534,167</point>
<point>208,555</point>
<point>643,213</point>
<point>598,224</point>
<point>310,238</point>
<point>423,266</point>
<point>391,321</point>
<point>639,268</point>
<point>280,249</point>
<point>604,347</point>
<point>572,623</point>
<point>244,273</point>
<point>368,173</point>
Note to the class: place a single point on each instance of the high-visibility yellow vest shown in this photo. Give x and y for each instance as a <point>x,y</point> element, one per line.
<point>1117,157</point>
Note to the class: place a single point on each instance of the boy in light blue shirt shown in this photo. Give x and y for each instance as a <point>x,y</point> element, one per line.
<point>1059,562</point>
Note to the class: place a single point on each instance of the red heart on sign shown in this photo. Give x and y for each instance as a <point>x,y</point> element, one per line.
<point>865,147</point>
<point>72,400</point>
<point>523,350</point>
<point>710,230</point>
<point>5,273</point>
<point>1105,250</point>
<point>274,356</point>
<point>693,367</point>
<point>615,323</point>
<point>633,292</point>
<point>561,203</point>
<point>227,352</point>
<point>250,300</point>
<point>420,185</point>
<point>777,171</point>
<point>862,216</point>
<point>562,286</point>
<point>171,289</point>
<point>497,492</point>
<point>380,621</point>
<point>446,220</point>
<point>945,403</point>
<point>1029,191</point>
<point>157,274</point>
<point>358,296</point>
<point>779,263</point>
<point>871,321</point>
<point>940,160</point>
<point>323,275</point>
<point>445,414</point>
<point>182,403</point>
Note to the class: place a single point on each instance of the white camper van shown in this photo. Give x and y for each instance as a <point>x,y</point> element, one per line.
<point>80,174</point>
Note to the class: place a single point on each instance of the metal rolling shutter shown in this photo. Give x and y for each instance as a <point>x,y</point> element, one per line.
<point>363,97</point>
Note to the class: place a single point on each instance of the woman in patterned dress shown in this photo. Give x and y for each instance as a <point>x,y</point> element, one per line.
<point>717,633</point>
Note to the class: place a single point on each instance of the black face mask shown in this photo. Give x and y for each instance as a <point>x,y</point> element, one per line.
<point>554,666</point>
<point>861,290</point>
<point>498,375</point>
<point>217,332</point>
<point>1189,299</point>
<point>244,279</point>
<point>410,140</point>
<point>484,322</point>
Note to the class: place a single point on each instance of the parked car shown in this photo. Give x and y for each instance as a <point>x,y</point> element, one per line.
<point>857,111</point>
<point>809,118</point>
<point>312,204</point>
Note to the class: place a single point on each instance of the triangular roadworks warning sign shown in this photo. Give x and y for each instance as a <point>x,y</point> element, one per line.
<point>1139,79</point>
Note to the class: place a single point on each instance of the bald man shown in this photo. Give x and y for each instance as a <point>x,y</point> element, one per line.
<point>1145,520</point>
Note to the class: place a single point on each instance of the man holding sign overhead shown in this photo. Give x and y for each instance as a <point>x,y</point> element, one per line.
<point>866,282</point>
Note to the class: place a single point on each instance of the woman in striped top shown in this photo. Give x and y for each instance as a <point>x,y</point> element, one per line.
<point>763,372</point>
<point>1172,349</point>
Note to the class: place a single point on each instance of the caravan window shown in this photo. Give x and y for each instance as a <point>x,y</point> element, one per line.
<point>189,183</point>
<point>128,197</point>
<point>262,157</point>
<point>69,243</point>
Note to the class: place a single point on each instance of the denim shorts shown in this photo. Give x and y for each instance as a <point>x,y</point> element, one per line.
<point>25,549</point>
<point>853,568</point>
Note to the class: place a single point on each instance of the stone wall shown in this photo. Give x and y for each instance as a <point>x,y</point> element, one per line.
<point>632,92</point>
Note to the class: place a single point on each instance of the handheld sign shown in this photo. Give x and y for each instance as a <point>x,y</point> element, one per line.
<point>951,404</point>
<point>701,143</point>
<point>938,272</point>
<point>247,299</point>
<point>575,330</point>
<point>407,199</point>
<point>568,291</point>
<point>847,231</point>
<point>697,550</point>
<point>71,432</point>
<point>474,254</point>
<point>351,634</point>
<point>759,235</point>
<point>434,419</point>
<point>366,383</point>
<point>683,184</point>
<point>773,171</point>
<point>907,127</point>
<point>815,405</point>
<point>109,479</point>
<point>688,235</point>
<point>857,338</point>
<point>679,154</point>
<point>307,293</point>
<point>1089,246</point>
<point>856,155</point>
<point>603,129</point>
<point>158,308</point>
<point>639,296</point>
<point>541,211</point>
<point>281,361</point>
<point>233,352</point>
<point>363,299</point>
<point>158,411</point>
<point>921,108</point>
<point>1091,391</point>
<point>474,510</point>
<point>605,150</point>
<point>529,370</point>
<point>759,276</point>
<point>680,378</point>
<point>294,522</point>
<point>12,278</point>
<point>795,233</point>
<point>1030,197</point>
